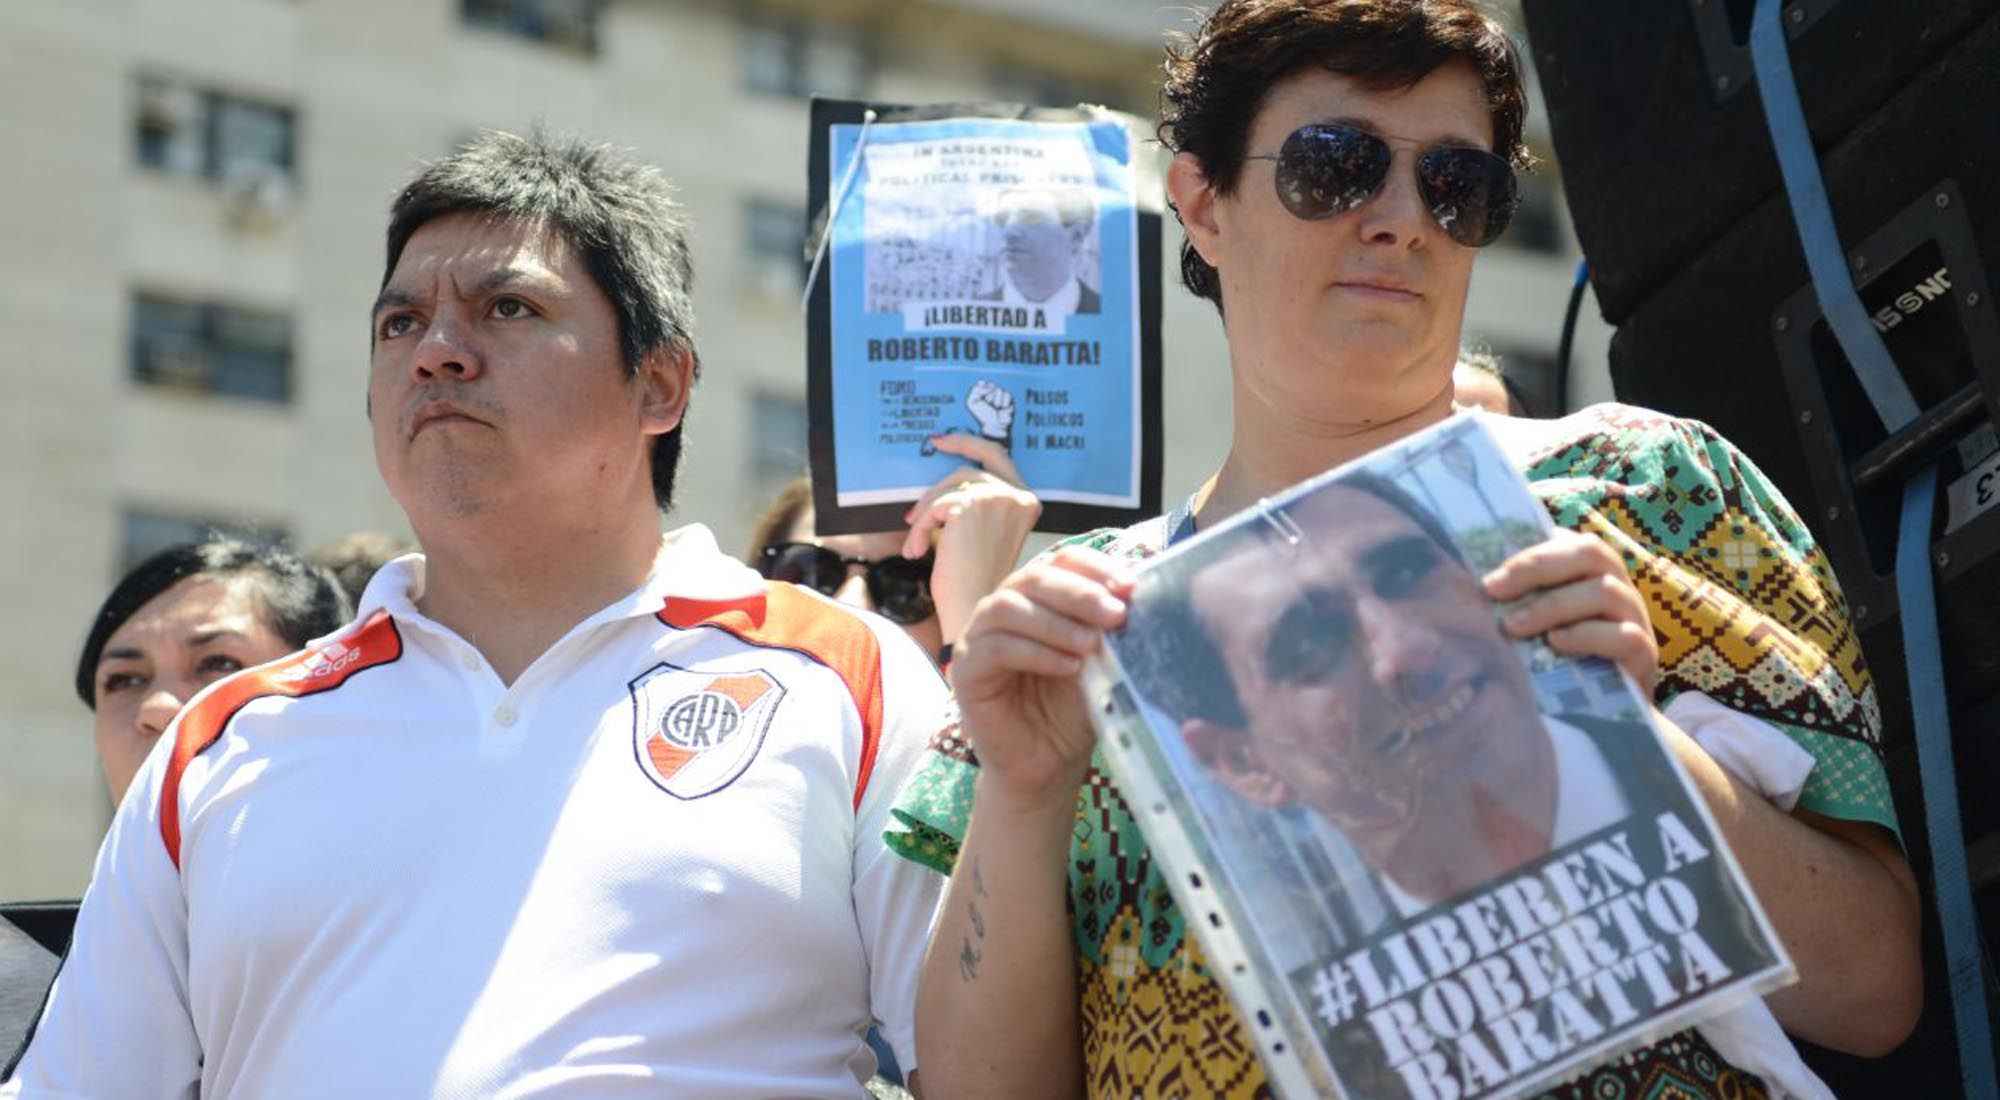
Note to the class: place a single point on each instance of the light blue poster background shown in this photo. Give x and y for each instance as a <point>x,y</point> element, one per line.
<point>946,240</point>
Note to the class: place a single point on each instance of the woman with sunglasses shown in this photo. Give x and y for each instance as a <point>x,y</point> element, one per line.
<point>1337,163</point>
<point>965,535</point>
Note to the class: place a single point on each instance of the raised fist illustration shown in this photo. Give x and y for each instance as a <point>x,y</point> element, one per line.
<point>993,409</point>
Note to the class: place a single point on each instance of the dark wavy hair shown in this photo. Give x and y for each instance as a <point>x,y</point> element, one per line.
<point>620,217</point>
<point>301,601</point>
<point>1218,77</point>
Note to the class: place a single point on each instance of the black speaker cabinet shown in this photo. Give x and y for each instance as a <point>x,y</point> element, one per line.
<point>1734,336</point>
<point>1657,124</point>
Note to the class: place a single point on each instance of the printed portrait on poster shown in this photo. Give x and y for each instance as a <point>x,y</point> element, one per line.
<point>986,276</point>
<point>1405,811</point>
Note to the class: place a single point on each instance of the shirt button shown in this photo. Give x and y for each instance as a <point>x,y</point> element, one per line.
<point>470,660</point>
<point>504,715</point>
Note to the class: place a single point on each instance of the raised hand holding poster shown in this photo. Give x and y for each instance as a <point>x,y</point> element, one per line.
<point>990,270</point>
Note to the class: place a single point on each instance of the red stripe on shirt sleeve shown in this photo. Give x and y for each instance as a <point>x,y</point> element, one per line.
<point>307,672</point>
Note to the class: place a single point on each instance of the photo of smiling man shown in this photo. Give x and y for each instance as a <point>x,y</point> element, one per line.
<point>1387,805</point>
<point>1367,682</point>
<point>1044,259</point>
<point>1369,727</point>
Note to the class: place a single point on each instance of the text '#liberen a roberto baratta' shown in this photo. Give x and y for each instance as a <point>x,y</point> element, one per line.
<point>1530,972</point>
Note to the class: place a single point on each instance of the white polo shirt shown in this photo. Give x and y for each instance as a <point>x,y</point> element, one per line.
<point>651,866</point>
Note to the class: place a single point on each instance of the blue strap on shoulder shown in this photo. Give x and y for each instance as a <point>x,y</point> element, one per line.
<point>1916,601</point>
<point>1180,521</point>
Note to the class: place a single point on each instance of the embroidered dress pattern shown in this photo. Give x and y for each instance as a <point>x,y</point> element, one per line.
<point>1746,610</point>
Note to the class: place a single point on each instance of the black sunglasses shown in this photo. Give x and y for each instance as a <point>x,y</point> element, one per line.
<point>900,587</point>
<point>1329,168</point>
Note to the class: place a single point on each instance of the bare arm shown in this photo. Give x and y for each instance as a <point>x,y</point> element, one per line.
<point>1840,893</point>
<point>997,1000</point>
<point>1843,900</point>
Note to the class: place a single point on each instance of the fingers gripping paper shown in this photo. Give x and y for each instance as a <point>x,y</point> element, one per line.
<point>991,270</point>
<point>1430,862</point>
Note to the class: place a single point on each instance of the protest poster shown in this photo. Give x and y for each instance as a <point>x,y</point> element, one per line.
<point>1429,861</point>
<point>988,269</point>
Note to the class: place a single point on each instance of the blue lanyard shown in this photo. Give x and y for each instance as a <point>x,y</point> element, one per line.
<point>1915,596</point>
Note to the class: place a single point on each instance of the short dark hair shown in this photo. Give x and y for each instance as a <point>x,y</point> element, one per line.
<point>1218,77</point>
<point>1177,640</point>
<point>619,215</point>
<point>300,601</point>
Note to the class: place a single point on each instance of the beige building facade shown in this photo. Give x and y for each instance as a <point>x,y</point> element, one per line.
<point>192,195</point>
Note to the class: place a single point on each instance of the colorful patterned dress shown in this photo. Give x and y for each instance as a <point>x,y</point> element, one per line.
<point>1746,610</point>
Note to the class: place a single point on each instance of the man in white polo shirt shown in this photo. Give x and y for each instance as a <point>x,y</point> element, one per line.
<point>572,810</point>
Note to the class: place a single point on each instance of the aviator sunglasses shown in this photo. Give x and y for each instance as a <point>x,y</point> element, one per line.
<point>1329,168</point>
<point>900,587</point>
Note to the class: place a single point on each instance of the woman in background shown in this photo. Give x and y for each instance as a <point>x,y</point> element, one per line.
<point>183,619</point>
<point>964,536</point>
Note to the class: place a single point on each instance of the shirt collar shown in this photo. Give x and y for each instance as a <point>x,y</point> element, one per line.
<point>1064,301</point>
<point>689,565</point>
<point>1588,798</point>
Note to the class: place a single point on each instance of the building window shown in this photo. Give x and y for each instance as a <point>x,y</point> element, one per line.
<point>212,348</point>
<point>791,55</point>
<point>774,247</point>
<point>778,444</point>
<point>184,130</point>
<point>568,24</point>
<point>1038,88</point>
<point>145,532</point>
